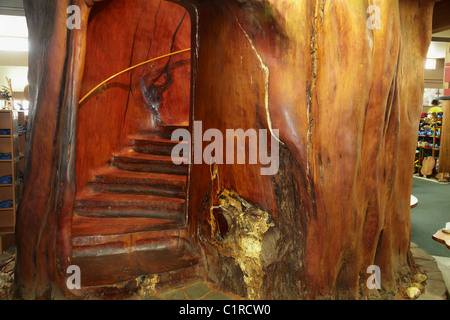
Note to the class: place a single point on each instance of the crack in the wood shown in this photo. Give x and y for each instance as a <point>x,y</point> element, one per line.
<point>319,8</point>
<point>131,74</point>
<point>266,82</point>
<point>153,93</point>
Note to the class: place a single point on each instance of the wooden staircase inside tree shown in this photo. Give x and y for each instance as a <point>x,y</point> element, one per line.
<point>130,222</point>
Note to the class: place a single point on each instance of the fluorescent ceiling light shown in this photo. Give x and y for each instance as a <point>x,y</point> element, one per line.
<point>13,44</point>
<point>13,33</point>
<point>13,26</point>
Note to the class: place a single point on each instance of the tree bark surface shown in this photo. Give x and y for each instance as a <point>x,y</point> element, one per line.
<point>346,100</point>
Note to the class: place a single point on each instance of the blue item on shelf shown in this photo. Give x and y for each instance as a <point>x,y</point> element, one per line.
<point>5,132</point>
<point>5,156</point>
<point>6,179</point>
<point>6,204</point>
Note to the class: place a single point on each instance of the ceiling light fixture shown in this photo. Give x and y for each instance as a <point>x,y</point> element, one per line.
<point>13,33</point>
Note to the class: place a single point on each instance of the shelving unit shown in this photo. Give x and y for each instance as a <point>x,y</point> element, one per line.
<point>433,139</point>
<point>428,144</point>
<point>12,146</point>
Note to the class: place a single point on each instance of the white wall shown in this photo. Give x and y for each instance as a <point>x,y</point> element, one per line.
<point>435,78</point>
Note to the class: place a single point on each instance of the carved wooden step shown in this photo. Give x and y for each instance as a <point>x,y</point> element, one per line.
<point>122,271</point>
<point>115,180</point>
<point>88,226</point>
<point>126,242</point>
<point>166,131</point>
<point>133,161</point>
<point>95,204</point>
<point>154,144</point>
<point>129,223</point>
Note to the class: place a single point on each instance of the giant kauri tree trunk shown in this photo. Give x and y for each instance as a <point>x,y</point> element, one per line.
<point>346,100</point>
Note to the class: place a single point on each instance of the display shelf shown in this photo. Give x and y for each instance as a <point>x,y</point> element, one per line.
<point>12,144</point>
<point>428,144</point>
<point>6,230</point>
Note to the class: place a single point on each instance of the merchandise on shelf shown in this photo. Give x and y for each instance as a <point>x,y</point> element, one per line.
<point>6,96</point>
<point>6,179</point>
<point>22,129</point>
<point>5,156</point>
<point>6,204</point>
<point>429,137</point>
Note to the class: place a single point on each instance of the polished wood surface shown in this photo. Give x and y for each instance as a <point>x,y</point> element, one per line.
<point>142,31</point>
<point>45,212</point>
<point>442,237</point>
<point>67,141</point>
<point>345,98</point>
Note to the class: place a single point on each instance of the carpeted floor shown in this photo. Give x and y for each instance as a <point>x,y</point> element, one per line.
<point>444,266</point>
<point>430,215</point>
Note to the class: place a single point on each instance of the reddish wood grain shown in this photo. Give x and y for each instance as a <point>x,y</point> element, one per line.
<point>45,213</point>
<point>345,98</point>
<point>119,36</point>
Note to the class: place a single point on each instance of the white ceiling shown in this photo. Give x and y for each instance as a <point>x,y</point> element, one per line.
<point>12,7</point>
<point>443,34</point>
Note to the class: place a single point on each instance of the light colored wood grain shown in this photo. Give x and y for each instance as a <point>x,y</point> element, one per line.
<point>442,237</point>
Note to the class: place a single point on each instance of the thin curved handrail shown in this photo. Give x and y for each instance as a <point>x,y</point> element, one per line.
<point>131,68</point>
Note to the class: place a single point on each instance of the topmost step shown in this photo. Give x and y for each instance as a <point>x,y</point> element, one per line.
<point>166,131</point>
